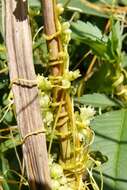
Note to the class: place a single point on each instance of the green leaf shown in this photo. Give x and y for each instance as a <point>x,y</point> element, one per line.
<point>10,143</point>
<point>88,30</point>
<point>124,2</point>
<point>34,3</point>
<point>9,117</point>
<point>7,174</point>
<point>90,35</point>
<point>124,60</point>
<point>2,18</point>
<point>82,7</point>
<point>4,168</point>
<point>115,45</point>
<point>111,139</point>
<point>79,6</point>
<point>100,82</point>
<point>96,100</point>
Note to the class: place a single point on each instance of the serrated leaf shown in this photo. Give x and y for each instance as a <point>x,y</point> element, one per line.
<point>116,39</point>
<point>88,30</point>
<point>91,35</point>
<point>96,100</point>
<point>111,140</point>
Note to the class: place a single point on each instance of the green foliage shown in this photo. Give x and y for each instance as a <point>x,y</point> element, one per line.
<point>124,2</point>
<point>90,35</point>
<point>104,87</point>
<point>2,14</point>
<point>96,100</point>
<point>33,3</point>
<point>79,6</point>
<point>111,139</point>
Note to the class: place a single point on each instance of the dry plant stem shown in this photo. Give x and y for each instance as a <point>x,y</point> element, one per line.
<point>105,9</point>
<point>19,47</point>
<point>49,12</point>
<point>50,28</point>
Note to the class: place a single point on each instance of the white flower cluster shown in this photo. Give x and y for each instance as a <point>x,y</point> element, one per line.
<point>72,75</point>
<point>87,114</point>
<point>45,103</point>
<point>43,83</point>
<point>58,179</point>
<point>83,119</point>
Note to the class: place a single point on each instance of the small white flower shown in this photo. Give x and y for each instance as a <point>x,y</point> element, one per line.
<point>72,75</point>
<point>63,180</point>
<point>66,84</point>
<point>65,187</point>
<point>56,171</point>
<point>44,100</point>
<point>48,118</point>
<point>43,83</point>
<point>55,184</point>
<point>87,114</point>
<point>82,135</point>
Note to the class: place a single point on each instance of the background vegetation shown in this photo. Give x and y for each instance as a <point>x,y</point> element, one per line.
<point>98,48</point>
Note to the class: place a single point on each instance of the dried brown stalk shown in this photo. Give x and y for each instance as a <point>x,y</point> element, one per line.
<point>54,47</point>
<point>50,28</point>
<point>20,62</point>
<point>105,8</point>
